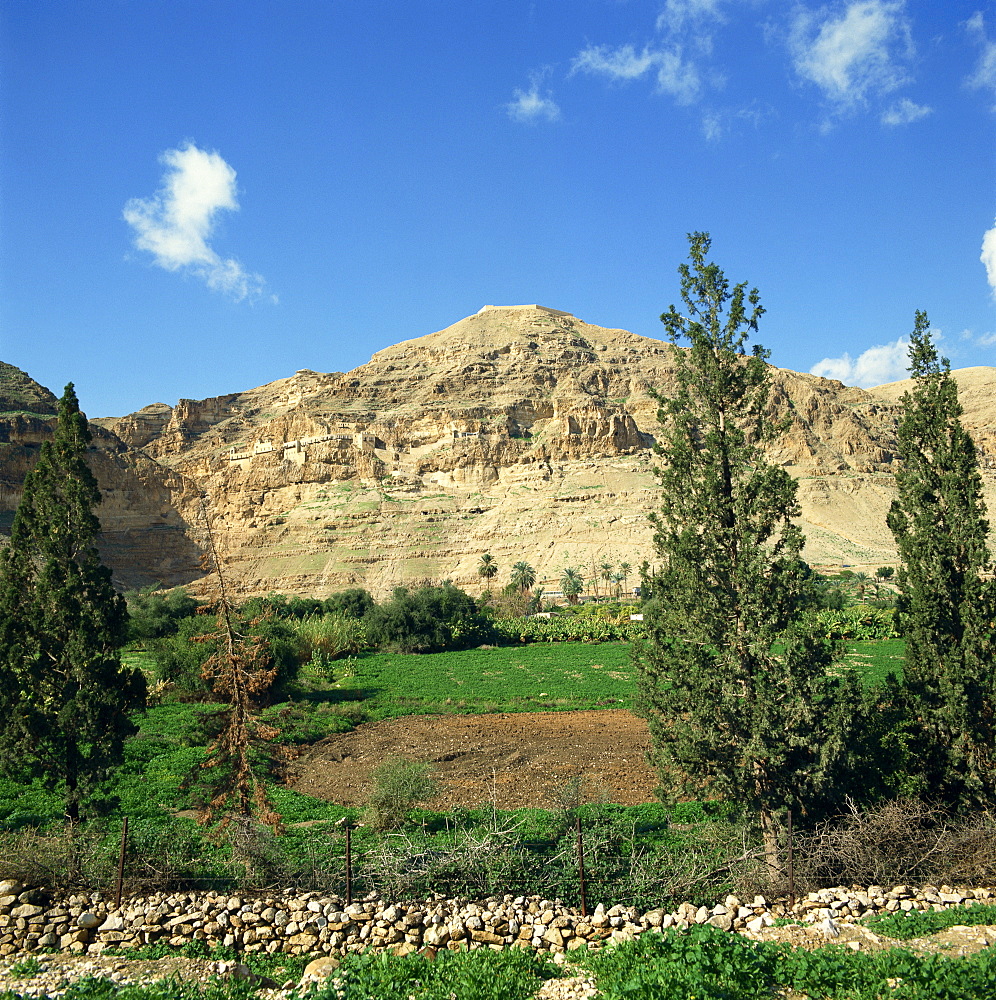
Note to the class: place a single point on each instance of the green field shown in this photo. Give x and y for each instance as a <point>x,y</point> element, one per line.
<point>532,678</point>
<point>563,676</point>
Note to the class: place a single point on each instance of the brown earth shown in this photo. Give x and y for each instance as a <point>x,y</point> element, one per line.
<point>512,760</point>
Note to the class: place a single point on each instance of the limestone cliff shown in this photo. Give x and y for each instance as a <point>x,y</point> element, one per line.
<point>144,537</point>
<point>520,430</point>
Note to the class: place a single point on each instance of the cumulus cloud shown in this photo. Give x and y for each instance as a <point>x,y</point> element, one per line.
<point>875,366</point>
<point>530,106</point>
<point>176,224</point>
<point>905,111</point>
<point>988,256</point>
<point>984,75</point>
<point>854,55</point>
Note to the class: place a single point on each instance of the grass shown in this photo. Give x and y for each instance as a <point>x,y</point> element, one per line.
<point>874,659</point>
<point>538,677</point>
<point>565,676</point>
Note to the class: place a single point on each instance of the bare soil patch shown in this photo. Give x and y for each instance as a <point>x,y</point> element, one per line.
<point>515,760</point>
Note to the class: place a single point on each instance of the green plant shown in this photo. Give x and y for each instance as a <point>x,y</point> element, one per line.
<point>153,614</point>
<point>399,785</point>
<point>322,639</point>
<point>922,923</point>
<point>478,975</point>
<point>25,968</point>
<point>427,619</point>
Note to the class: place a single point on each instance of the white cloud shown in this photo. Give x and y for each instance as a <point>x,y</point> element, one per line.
<point>675,75</point>
<point>530,106</point>
<point>875,366</point>
<point>988,256</point>
<point>677,12</point>
<point>176,224</point>
<point>622,63</point>
<point>984,75</point>
<point>678,59</point>
<point>905,111</point>
<point>712,127</point>
<point>856,54</point>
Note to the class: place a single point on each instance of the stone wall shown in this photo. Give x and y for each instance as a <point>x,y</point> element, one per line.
<point>310,923</point>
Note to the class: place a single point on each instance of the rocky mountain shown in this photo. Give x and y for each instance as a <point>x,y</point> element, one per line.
<point>145,539</point>
<point>521,431</point>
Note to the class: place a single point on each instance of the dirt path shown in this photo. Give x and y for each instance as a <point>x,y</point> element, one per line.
<point>516,759</point>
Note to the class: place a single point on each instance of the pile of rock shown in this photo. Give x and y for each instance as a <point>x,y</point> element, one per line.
<point>308,923</point>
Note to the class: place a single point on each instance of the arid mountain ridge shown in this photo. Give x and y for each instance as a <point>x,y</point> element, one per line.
<point>521,431</point>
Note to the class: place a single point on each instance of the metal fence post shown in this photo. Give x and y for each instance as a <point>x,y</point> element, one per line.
<point>121,857</point>
<point>584,900</point>
<point>349,865</point>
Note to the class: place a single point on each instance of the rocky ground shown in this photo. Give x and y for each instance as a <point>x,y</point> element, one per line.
<point>512,760</point>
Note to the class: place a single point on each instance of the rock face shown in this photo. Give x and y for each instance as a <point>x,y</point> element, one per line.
<point>145,539</point>
<point>521,431</point>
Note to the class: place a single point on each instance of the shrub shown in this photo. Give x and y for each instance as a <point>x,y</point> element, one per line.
<point>901,842</point>
<point>153,614</point>
<point>399,785</point>
<point>428,620</point>
<point>353,603</point>
<point>324,638</point>
<point>179,659</point>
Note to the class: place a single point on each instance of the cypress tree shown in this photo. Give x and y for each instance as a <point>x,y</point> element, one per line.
<point>64,694</point>
<point>730,716</point>
<point>945,607</point>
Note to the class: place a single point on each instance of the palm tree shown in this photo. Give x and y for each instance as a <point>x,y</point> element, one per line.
<point>606,569</point>
<point>487,568</point>
<point>523,576</point>
<point>572,584</point>
<point>625,569</point>
<point>617,579</point>
<point>860,582</point>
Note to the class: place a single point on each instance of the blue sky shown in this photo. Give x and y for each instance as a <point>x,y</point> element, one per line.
<point>201,197</point>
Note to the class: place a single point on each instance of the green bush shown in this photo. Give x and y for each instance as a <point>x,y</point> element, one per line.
<point>567,628</point>
<point>399,785</point>
<point>153,614</point>
<point>478,975</point>
<point>427,620</point>
<point>918,923</point>
<point>325,638</point>
<point>354,603</point>
<point>857,622</point>
<point>179,658</point>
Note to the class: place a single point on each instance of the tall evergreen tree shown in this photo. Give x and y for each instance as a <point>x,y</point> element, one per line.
<point>64,695</point>
<point>730,717</point>
<point>945,607</point>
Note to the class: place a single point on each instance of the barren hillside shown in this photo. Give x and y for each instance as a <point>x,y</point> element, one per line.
<point>520,430</point>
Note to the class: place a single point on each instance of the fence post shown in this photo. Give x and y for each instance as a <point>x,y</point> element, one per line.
<point>121,857</point>
<point>791,862</point>
<point>349,865</point>
<point>584,900</point>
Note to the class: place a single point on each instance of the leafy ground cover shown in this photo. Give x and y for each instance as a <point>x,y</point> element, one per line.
<point>539,676</point>
<point>568,676</point>
<point>700,964</point>
<point>919,923</point>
